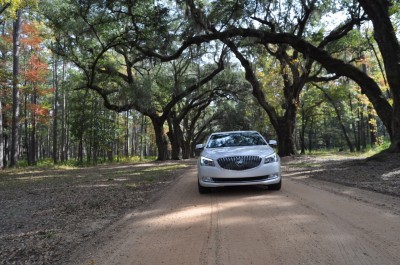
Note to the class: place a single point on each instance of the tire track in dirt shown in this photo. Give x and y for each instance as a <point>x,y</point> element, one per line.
<point>304,223</point>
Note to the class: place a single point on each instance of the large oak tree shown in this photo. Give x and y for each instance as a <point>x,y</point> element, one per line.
<point>378,12</point>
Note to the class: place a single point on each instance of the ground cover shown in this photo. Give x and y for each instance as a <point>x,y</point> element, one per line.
<point>45,215</point>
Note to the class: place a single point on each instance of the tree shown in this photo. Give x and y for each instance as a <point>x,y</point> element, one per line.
<point>318,53</point>
<point>16,92</point>
<point>1,138</point>
<point>113,66</point>
<point>55,110</point>
<point>34,74</point>
<point>11,7</point>
<point>295,70</point>
<point>339,117</point>
<point>379,13</point>
<point>226,86</point>
<point>4,79</point>
<point>309,110</point>
<point>121,52</point>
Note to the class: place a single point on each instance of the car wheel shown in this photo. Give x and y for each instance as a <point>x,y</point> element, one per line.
<point>203,190</point>
<point>276,186</point>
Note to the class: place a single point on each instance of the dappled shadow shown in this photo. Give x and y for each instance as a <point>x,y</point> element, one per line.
<point>380,175</point>
<point>239,222</point>
<point>54,210</point>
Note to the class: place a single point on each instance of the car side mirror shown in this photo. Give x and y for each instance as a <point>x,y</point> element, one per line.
<point>273,143</point>
<point>198,149</point>
<point>200,146</point>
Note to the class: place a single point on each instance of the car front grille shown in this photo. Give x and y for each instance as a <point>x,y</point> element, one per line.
<point>239,162</point>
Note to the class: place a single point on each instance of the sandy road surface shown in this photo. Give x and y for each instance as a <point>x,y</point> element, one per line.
<point>306,222</point>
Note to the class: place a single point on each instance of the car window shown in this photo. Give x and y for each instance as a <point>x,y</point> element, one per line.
<point>235,139</point>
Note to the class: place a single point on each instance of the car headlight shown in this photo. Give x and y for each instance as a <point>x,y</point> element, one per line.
<point>204,161</point>
<point>271,159</point>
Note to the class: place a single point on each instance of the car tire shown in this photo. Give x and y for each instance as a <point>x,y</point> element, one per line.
<point>203,190</point>
<point>276,186</point>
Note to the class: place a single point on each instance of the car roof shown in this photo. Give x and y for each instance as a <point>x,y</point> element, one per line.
<point>229,132</point>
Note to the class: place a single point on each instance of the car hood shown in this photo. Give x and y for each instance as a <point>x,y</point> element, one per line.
<point>256,150</point>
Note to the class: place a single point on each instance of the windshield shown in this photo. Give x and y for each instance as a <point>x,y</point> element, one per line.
<point>235,139</point>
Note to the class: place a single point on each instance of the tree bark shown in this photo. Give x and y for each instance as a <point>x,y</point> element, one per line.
<point>64,152</point>
<point>303,131</point>
<point>373,129</point>
<point>1,137</point>
<point>310,135</point>
<point>187,138</point>
<point>80,150</point>
<point>174,135</point>
<point>161,141</point>
<point>126,144</point>
<point>286,132</point>
<point>16,92</point>
<point>32,137</point>
<point>55,111</point>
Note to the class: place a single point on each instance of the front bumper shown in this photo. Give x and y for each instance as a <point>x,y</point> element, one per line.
<point>265,174</point>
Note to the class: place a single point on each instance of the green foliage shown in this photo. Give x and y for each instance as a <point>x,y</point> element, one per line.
<point>12,6</point>
<point>108,40</point>
<point>353,45</point>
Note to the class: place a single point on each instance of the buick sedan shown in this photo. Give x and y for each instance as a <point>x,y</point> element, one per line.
<point>238,158</point>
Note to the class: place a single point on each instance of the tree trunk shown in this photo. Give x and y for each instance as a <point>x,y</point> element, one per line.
<point>55,112</point>
<point>303,131</point>
<point>395,143</point>
<point>26,129</point>
<point>142,131</point>
<point>161,141</point>
<point>310,135</point>
<point>1,138</point>
<point>186,150</point>
<point>126,144</point>
<point>80,150</point>
<point>64,155</point>
<point>373,129</point>
<point>175,145</point>
<point>186,137</point>
<point>6,158</point>
<point>286,141</point>
<point>32,142</point>
<point>174,135</point>
<point>363,128</point>
<point>16,93</point>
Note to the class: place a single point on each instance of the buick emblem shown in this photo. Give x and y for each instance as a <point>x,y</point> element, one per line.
<point>239,161</point>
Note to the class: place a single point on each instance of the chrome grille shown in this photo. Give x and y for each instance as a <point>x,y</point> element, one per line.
<point>239,162</point>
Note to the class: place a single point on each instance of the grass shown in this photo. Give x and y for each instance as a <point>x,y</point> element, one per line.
<point>102,175</point>
<point>362,154</point>
<point>73,163</point>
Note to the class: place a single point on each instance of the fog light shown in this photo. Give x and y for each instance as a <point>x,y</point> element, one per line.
<point>274,176</point>
<point>206,179</point>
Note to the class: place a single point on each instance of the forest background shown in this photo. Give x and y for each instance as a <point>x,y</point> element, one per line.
<point>95,80</point>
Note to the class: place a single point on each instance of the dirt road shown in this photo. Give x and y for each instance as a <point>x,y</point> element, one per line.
<point>307,222</point>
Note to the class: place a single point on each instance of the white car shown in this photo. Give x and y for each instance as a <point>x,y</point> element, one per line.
<point>238,158</point>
